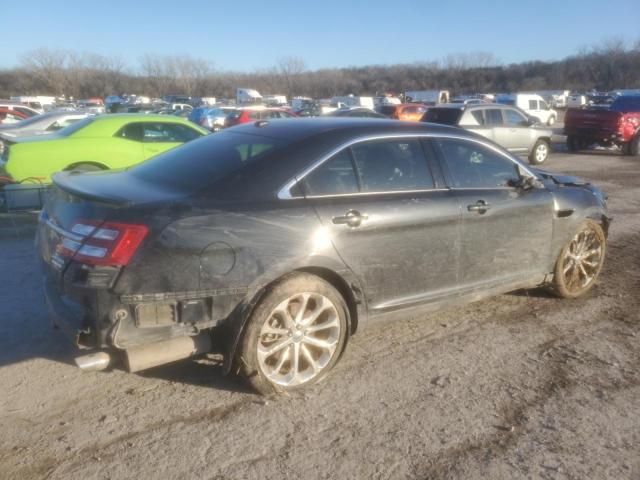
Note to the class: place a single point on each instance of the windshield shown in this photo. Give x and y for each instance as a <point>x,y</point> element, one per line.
<point>74,127</point>
<point>202,162</point>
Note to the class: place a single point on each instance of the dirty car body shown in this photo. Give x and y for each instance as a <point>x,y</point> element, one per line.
<point>190,241</point>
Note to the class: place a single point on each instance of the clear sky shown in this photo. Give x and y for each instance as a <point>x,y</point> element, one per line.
<point>246,34</point>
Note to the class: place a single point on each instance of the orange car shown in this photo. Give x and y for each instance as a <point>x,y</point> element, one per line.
<point>408,112</point>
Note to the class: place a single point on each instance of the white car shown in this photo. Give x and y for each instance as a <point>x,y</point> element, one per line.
<point>533,104</point>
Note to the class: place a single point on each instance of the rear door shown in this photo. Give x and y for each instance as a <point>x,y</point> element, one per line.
<point>390,219</point>
<point>505,231</point>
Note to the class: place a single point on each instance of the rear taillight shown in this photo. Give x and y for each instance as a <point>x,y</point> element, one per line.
<point>108,244</point>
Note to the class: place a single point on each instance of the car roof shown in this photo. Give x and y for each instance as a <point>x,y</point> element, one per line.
<point>300,128</point>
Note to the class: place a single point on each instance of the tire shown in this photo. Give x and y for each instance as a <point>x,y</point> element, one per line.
<point>539,152</point>
<point>580,261</point>
<point>302,357</point>
<point>572,143</point>
<point>551,120</point>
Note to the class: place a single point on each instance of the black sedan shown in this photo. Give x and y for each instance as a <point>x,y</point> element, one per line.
<point>275,241</point>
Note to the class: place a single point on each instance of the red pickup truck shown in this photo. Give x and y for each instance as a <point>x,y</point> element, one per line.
<point>619,124</point>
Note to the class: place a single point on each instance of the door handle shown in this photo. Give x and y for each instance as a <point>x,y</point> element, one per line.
<point>353,218</point>
<point>480,206</point>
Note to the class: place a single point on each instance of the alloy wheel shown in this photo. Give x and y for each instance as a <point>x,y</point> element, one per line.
<point>298,339</point>
<point>542,151</point>
<point>582,261</point>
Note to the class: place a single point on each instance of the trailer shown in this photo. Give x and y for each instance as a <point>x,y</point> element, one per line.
<point>428,97</point>
<point>248,96</point>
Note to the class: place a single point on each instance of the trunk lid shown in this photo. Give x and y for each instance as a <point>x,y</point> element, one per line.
<point>92,198</point>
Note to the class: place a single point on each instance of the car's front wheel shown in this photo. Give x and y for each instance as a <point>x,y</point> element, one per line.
<point>295,335</point>
<point>580,261</point>
<point>551,120</point>
<point>539,153</point>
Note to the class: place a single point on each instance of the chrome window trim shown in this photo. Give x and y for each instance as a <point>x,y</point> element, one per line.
<point>285,191</point>
<point>381,192</point>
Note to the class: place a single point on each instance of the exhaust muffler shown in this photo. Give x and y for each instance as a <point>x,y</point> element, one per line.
<point>93,362</point>
<point>155,354</point>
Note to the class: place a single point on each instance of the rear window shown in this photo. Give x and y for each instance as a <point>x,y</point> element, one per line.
<point>445,116</point>
<point>202,162</point>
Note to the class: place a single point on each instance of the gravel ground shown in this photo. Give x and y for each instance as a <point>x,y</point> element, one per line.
<point>521,386</point>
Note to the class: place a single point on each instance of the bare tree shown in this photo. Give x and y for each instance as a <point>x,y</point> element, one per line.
<point>290,68</point>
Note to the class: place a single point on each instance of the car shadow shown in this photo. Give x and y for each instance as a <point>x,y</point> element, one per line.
<point>539,292</point>
<point>199,372</point>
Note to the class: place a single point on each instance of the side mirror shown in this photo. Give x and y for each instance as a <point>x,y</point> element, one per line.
<point>525,182</point>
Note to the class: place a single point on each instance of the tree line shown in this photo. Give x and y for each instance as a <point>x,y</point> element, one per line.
<point>612,65</point>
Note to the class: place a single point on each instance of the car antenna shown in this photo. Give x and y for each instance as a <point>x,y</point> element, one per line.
<point>261,123</point>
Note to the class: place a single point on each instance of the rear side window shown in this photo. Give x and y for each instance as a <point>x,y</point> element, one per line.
<point>478,116</point>
<point>167,133</point>
<point>493,116</point>
<point>394,165</point>
<point>445,116</point>
<point>200,163</point>
<point>132,131</point>
<point>334,177</point>
<point>472,165</point>
<point>533,105</point>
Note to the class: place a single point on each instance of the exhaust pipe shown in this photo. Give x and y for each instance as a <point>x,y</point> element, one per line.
<point>154,354</point>
<point>93,362</point>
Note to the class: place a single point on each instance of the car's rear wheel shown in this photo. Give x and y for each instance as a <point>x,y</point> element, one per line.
<point>572,143</point>
<point>580,261</point>
<point>540,152</point>
<point>295,335</point>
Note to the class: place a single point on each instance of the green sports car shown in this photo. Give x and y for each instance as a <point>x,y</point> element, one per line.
<point>97,143</point>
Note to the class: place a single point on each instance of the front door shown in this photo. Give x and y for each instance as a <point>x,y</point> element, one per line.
<point>389,221</point>
<point>506,231</point>
<point>514,133</point>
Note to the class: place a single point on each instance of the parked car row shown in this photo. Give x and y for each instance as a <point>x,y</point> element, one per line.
<point>100,142</point>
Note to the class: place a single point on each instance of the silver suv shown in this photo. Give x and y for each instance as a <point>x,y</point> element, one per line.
<point>508,126</point>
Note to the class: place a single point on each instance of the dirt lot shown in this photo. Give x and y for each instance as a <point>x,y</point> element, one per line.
<point>521,386</point>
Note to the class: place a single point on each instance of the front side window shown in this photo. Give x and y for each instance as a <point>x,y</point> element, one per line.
<point>334,177</point>
<point>472,165</point>
<point>514,118</point>
<point>391,165</point>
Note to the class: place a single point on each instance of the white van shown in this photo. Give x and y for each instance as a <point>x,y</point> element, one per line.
<point>533,104</point>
